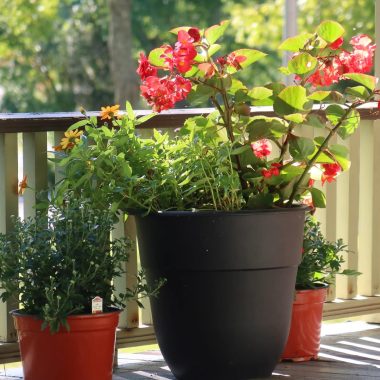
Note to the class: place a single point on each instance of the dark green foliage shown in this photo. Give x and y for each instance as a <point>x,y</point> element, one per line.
<point>58,263</point>
<point>321,259</point>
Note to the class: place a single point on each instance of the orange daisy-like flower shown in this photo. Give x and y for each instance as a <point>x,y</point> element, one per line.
<point>109,112</point>
<point>69,141</point>
<point>22,185</point>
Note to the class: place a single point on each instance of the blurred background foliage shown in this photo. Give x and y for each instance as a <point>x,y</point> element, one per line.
<point>55,54</point>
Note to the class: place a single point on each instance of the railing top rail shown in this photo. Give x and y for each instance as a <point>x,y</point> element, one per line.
<point>60,121</point>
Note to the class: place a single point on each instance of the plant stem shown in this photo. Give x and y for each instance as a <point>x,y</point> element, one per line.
<point>319,151</point>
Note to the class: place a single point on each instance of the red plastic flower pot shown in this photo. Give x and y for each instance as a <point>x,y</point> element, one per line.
<point>86,352</point>
<point>305,329</point>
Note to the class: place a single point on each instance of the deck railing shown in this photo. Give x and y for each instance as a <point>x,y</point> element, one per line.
<point>353,211</point>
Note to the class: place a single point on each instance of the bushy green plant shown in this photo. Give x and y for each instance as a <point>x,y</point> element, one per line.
<point>57,263</point>
<point>112,164</point>
<point>321,259</point>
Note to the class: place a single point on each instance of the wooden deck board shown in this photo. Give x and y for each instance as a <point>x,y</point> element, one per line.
<point>345,355</point>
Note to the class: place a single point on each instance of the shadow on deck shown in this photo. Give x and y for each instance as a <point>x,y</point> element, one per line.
<point>349,350</point>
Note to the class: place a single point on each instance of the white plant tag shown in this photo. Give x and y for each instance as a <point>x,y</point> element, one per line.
<point>97,305</point>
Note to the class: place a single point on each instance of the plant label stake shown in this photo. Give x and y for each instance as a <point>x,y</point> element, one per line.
<point>97,305</point>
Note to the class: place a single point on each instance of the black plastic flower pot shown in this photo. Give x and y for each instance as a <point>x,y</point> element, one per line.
<point>225,310</point>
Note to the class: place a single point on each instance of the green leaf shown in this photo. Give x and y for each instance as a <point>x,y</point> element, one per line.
<point>296,43</point>
<point>78,124</point>
<point>315,121</point>
<point>260,93</point>
<point>301,148</point>
<point>302,63</point>
<point>330,31</point>
<point>266,127</point>
<point>155,57</point>
<point>216,31</point>
<point>319,95</point>
<point>360,92</point>
<point>340,153</point>
<point>291,99</point>
<point>213,49</point>
<point>297,118</point>
<point>319,197</point>
<point>251,56</point>
<point>130,113</point>
<point>200,94</point>
<point>261,200</point>
<point>290,172</point>
<point>240,149</point>
<point>348,126</point>
<point>327,96</point>
<point>368,81</point>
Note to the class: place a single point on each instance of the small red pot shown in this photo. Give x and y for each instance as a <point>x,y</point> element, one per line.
<point>305,329</point>
<point>85,352</point>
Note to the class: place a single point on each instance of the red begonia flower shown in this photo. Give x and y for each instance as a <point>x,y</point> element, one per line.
<point>274,170</point>
<point>330,172</point>
<point>145,69</point>
<point>261,148</point>
<point>194,34</point>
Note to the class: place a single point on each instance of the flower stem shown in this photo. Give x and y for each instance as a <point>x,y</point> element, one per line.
<point>319,151</point>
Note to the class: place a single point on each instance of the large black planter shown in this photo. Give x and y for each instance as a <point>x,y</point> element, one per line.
<point>225,310</point>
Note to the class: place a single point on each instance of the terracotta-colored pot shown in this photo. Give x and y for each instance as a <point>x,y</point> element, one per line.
<point>305,329</point>
<point>86,352</point>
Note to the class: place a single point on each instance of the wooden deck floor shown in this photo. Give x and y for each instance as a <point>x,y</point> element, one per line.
<point>349,350</point>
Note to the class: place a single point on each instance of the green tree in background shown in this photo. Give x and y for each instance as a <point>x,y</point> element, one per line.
<point>57,55</point>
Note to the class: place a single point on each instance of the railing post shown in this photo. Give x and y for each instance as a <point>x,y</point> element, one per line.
<point>8,207</point>
<point>34,149</point>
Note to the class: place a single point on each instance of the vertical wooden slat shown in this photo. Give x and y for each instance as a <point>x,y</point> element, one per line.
<point>354,186</point>
<point>342,221</point>
<point>365,231</point>
<point>133,315</point>
<point>8,207</point>
<point>120,283</point>
<point>376,214</point>
<point>34,148</point>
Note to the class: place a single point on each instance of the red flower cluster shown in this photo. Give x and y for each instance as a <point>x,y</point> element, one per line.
<point>332,68</point>
<point>274,170</point>
<point>330,172</point>
<point>261,148</point>
<point>163,93</point>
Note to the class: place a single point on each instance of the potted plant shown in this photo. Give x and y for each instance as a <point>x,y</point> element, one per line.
<point>321,262</point>
<point>218,207</point>
<point>61,265</point>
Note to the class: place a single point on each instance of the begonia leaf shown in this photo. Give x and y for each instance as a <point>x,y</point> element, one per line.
<point>266,127</point>
<point>250,55</point>
<point>330,30</point>
<point>260,93</point>
<point>360,92</point>
<point>292,99</point>
<point>216,31</point>
<point>295,43</point>
<point>301,148</point>
<point>368,81</point>
<point>340,153</point>
<point>155,57</point>
<point>318,197</point>
<point>302,63</point>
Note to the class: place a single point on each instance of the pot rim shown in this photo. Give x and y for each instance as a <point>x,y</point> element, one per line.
<point>172,213</point>
<point>20,313</point>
